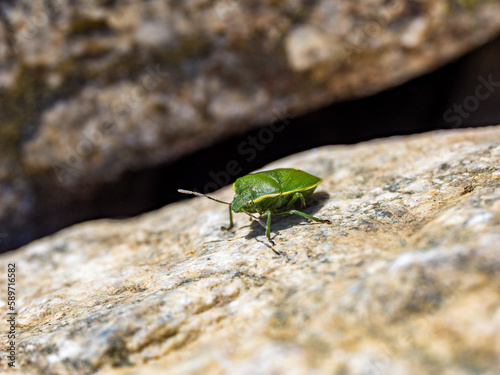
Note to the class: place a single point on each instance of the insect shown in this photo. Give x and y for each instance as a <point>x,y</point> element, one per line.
<point>268,193</point>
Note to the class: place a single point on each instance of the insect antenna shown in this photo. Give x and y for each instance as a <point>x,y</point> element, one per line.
<point>200,195</point>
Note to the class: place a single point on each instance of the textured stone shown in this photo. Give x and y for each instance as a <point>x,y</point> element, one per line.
<point>91,89</point>
<point>405,280</point>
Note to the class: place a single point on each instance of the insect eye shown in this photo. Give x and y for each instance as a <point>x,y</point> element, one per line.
<point>250,203</point>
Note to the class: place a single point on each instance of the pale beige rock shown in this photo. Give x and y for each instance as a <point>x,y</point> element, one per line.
<point>405,280</point>
<point>91,89</point>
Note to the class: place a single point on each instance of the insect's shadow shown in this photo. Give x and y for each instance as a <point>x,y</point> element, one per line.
<point>313,204</point>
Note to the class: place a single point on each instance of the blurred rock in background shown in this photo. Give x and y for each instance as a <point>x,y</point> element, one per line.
<point>92,91</point>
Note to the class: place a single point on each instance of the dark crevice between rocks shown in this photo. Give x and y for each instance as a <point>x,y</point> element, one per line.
<point>418,106</point>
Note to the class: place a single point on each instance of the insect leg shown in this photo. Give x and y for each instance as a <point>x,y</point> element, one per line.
<point>302,200</point>
<point>230,218</point>
<point>268,228</point>
<point>294,199</point>
<point>310,217</point>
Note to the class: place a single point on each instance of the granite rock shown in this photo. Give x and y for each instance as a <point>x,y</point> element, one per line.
<point>91,89</point>
<point>406,279</point>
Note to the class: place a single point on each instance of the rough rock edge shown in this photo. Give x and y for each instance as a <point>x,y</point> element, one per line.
<point>411,240</point>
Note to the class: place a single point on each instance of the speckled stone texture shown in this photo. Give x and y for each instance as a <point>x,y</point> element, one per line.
<point>405,280</point>
<point>90,89</point>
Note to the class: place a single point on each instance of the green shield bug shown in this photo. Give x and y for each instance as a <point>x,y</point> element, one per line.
<point>270,193</point>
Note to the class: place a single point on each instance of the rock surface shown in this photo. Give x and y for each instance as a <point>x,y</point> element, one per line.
<point>405,280</point>
<point>90,89</point>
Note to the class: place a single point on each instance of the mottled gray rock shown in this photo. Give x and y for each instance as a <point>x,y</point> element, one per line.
<point>405,280</point>
<point>91,89</point>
